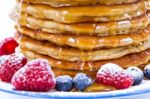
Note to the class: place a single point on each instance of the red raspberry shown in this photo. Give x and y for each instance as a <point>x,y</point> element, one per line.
<point>10,64</point>
<point>113,75</point>
<point>7,46</point>
<point>34,76</point>
<point>106,74</point>
<point>105,78</point>
<point>123,80</point>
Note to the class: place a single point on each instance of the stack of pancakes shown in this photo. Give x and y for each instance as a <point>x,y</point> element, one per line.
<point>82,35</point>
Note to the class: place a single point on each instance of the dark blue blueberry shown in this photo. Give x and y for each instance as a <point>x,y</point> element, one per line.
<point>64,83</point>
<point>147,72</point>
<point>137,75</point>
<point>82,81</point>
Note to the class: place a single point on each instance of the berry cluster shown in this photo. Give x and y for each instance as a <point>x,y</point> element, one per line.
<point>35,75</point>
<point>113,75</point>
<point>81,81</point>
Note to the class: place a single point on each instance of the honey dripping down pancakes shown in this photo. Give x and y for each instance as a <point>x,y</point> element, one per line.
<point>82,35</point>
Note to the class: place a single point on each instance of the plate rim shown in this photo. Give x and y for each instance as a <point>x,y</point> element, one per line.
<point>75,95</point>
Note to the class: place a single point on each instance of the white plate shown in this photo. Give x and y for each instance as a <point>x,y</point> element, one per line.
<point>130,92</point>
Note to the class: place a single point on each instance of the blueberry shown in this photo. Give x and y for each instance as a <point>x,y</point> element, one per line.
<point>82,81</point>
<point>147,72</point>
<point>64,83</point>
<point>137,75</point>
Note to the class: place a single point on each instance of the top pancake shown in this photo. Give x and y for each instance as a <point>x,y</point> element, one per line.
<point>60,3</point>
<point>86,13</point>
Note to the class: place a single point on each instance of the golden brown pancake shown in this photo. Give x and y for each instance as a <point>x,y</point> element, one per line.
<point>73,54</point>
<point>88,42</point>
<point>86,13</point>
<point>61,3</point>
<point>101,29</point>
<point>135,59</point>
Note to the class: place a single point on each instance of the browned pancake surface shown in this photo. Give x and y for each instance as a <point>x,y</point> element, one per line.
<point>100,29</point>
<point>88,42</point>
<point>125,61</point>
<point>73,54</point>
<point>86,13</point>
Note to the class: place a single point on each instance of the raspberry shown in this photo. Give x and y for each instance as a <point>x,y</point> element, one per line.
<point>106,74</point>
<point>10,64</point>
<point>123,80</point>
<point>105,78</point>
<point>113,75</point>
<point>7,46</point>
<point>34,76</point>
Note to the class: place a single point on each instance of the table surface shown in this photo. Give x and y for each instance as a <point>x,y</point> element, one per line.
<point>6,29</point>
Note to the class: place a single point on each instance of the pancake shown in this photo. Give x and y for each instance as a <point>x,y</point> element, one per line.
<point>101,29</point>
<point>73,54</point>
<point>135,59</point>
<point>61,3</point>
<point>86,13</point>
<point>88,42</point>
